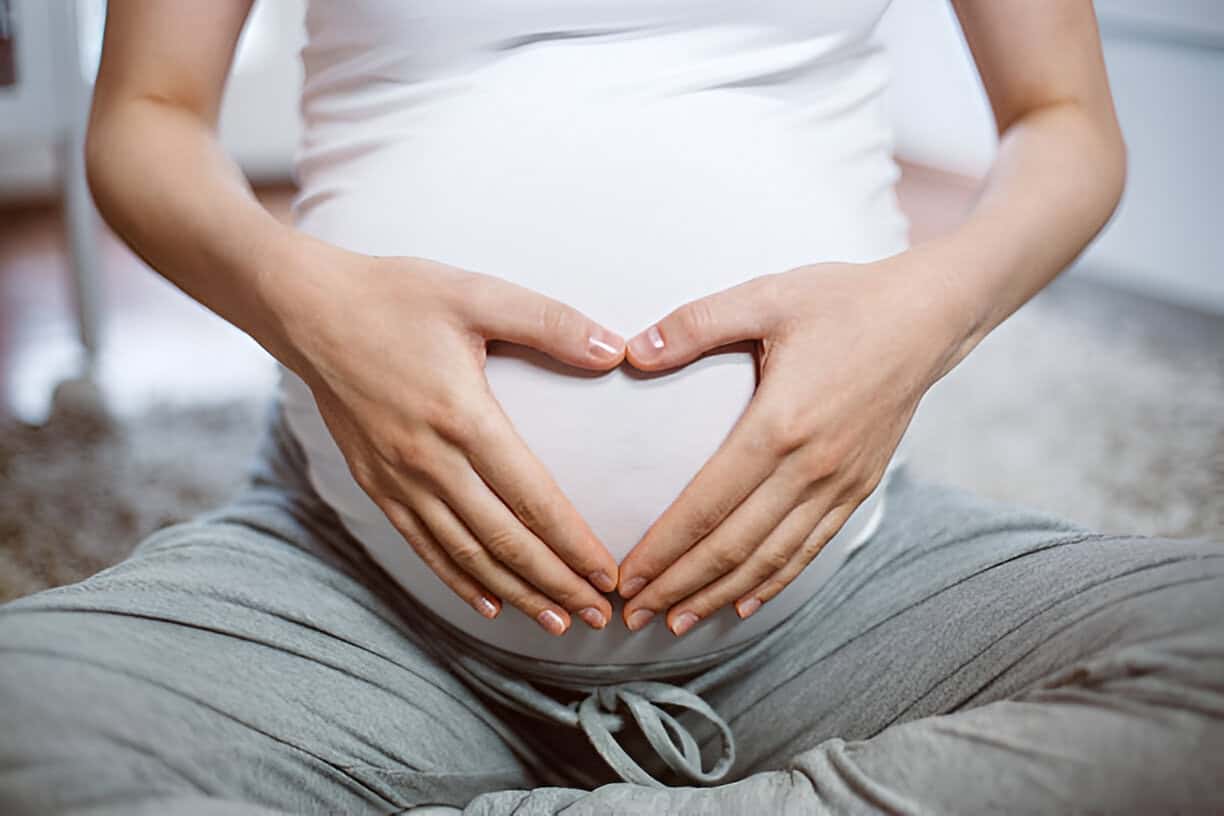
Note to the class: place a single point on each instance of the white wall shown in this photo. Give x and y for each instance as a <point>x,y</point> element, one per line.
<point>259,118</point>
<point>1166,66</point>
<point>1167,238</point>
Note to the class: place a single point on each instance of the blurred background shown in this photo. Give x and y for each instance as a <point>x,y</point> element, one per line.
<point>1102,400</point>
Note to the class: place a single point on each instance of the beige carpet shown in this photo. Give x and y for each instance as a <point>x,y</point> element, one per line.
<point>1089,403</point>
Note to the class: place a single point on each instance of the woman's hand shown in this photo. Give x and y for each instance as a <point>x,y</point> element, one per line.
<point>393,350</point>
<point>847,351</point>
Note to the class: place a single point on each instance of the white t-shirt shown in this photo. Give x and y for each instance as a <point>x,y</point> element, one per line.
<point>623,157</point>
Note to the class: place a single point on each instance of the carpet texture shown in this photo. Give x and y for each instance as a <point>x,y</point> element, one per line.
<point>1089,403</point>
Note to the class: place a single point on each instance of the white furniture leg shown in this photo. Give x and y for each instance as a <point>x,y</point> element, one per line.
<point>80,218</point>
<point>80,222</point>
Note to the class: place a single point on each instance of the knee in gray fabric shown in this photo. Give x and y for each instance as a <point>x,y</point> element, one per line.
<point>1161,644</point>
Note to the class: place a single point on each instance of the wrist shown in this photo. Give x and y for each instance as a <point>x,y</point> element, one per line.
<point>295,286</point>
<point>926,294</point>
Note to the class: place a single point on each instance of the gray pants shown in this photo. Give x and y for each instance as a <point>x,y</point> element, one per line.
<point>972,657</point>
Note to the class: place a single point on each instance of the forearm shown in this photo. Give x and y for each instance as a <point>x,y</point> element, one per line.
<point>1056,180</point>
<point>164,184</point>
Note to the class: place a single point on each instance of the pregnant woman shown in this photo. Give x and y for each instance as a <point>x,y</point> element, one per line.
<point>494,556</point>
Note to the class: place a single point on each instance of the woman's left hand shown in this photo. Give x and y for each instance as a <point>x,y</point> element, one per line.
<point>846,353</point>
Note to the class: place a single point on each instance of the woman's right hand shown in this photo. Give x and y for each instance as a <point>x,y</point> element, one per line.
<point>393,350</point>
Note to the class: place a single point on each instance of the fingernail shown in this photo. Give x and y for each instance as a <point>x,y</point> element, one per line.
<point>684,622</point>
<point>593,617</point>
<point>632,586</point>
<point>746,608</point>
<point>606,346</point>
<point>602,581</point>
<point>486,607</point>
<point>551,621</point>
<point>647,343</point>
<point>639,618</point>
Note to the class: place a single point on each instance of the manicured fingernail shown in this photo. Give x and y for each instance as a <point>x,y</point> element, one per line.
<point>486,607</point>
<point>639,618</point>
<point>606,346</point>
<point>684,622</point>
<point>647,343</point>
<point>602,581</point>
<point>551,621</point>
<point>593,617</point>
<point>746,608</point>
<point>632,587</point>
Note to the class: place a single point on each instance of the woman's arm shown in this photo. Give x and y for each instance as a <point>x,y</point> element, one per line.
<point>393,349</point>
<point>161,179</point>
<point>848,350</point>
<point>1060,168</point>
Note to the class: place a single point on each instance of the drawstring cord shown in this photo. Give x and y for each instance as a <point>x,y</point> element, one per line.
<point>599,721</point>
<point>597,714</point>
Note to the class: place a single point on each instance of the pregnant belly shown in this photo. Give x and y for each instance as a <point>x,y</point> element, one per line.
<point>625,215</point>
<point>621,446</point>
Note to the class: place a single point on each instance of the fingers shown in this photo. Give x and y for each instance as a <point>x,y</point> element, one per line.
<point>501,310</point>
<point>503,535</point>
<point>801,537</point>
<point>507,466</point>
<point>467,552</point>
<point>749,602</point>
<point>423,542</point>
<point>743,312</point>
<point>737,468</point>
<point>721,552</point>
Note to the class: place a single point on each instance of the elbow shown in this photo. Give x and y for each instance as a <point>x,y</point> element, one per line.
<point>1119,168</point>
<point>1102,119</point>
<point>96,139</point>
<point>1104,145</point>
<point>111,149</point>
<point>93,165</point>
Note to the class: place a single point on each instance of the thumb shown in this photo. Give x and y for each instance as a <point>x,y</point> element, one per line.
<point>501,310</point>
<point>743,312</point>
